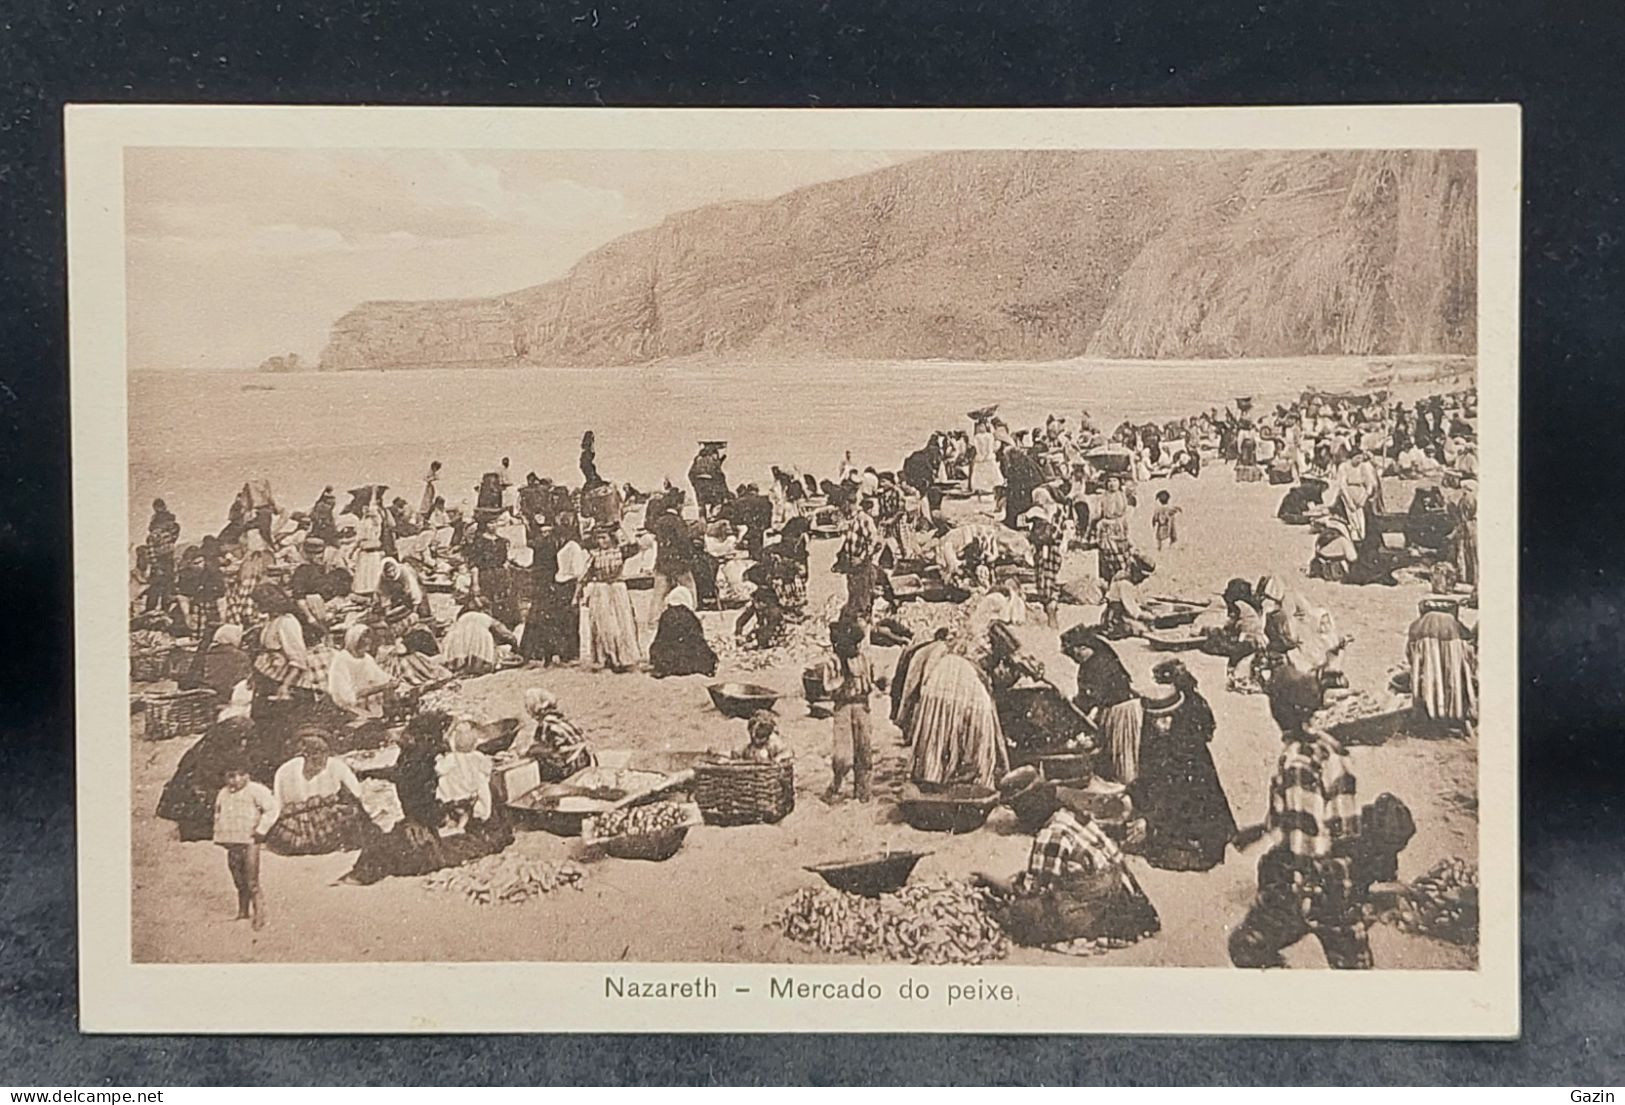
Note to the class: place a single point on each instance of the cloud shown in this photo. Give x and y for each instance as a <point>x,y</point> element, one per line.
<point>277,200</point>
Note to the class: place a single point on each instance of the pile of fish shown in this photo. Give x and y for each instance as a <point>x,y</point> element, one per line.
<point>930,922</point>
<point>1443,904</point>
<point>804,643</point>
<point>1356,707</point>
<point>636,821</point>
<point>508,878</point>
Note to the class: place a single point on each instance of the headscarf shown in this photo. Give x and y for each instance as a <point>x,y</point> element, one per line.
<point>229,634</point>
<point>394,569</point>
<point>353,635</point>
<point>464,736</point>
<point>680,596</point>
<point>540,701</point>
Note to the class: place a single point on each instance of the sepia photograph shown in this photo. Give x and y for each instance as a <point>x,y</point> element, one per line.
<point>909,553</point>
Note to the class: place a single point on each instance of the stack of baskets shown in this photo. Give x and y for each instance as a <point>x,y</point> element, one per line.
<point>741,792</point>
<point>177,713</point>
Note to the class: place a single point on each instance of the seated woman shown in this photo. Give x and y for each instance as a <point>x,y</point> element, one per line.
<point>679,646</point>
<point>356,682</point>
<point>470,647</point>
<point>321,802</point>
<point>400,599</point>
<point>188,797</point>
<point>722,546</point>
<point>415,665</point>
<point>1187,816</point>
<point>414,846</point>
<point>761,625</point>
<point>557,746</point>
<point>1123,616</point>
<point>1075,894</point>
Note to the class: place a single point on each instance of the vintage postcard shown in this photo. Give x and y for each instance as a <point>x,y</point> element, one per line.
<point>917,570</point>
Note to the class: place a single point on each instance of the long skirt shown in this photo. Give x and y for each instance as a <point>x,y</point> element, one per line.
<point>369,569</point>
<point>1178,792</point>
<point>609,629</point>
<point>1444,679</point>
<point>1115,548</point>
<point>552,630</point>
<point>1466,552</point>
<point>1120,728</point>
<point>954,728</point>
<point>335,823</point>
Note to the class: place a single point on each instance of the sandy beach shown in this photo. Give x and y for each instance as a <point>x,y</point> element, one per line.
<point>719,897</point>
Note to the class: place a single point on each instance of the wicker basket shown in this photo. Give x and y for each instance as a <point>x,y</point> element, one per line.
<point>651,846</point>
<point>744,792</point>
<point>178,713</point>
<point>179,661</point>
<point>149,665</point>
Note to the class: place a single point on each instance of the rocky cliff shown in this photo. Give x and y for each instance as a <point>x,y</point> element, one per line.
<point>1003,255</point>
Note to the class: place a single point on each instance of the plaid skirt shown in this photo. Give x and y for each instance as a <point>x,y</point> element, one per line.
<point>335,823</point>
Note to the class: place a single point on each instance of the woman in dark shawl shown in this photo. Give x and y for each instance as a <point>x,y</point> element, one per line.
<point>552,627</point>
<point>188,797</point>
<point>679,646</point>
<point>414,846</point>
<point>1178,792</point>
<point>1106,696</point>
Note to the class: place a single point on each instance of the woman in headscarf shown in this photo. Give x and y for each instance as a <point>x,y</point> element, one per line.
<point>679,646</point>
<point>1178,792</point>
<point>470,647</point>
<point>552,631</point>
<point>558,747</point>
<point>1106,696</point>
<point>414,846</point>
<point>786,560</point>
<point>1444,666</point>
<point>356,682</point>
<point>1300,634</point>
<point>399,597</point>
<point>950,721</point>
<point>609,629</point>
<point>1123,616</point>
<point>281,665</point>
<point>220,663</point>
<point>202,590</point>
<point>321,802</point>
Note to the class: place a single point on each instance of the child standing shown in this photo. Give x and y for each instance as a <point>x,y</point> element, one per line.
<point>849,679</point>
<point>244,812</point>
<point>1164,521</point>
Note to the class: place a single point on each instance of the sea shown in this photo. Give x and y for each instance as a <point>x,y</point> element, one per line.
<point>195,437</point>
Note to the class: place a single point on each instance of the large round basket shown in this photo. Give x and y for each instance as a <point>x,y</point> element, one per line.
<point>177,713</point>
<point>731,792</point>
<point>656,846</point>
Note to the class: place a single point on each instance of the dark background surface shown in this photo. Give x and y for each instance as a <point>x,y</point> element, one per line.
<point>1561,61</point>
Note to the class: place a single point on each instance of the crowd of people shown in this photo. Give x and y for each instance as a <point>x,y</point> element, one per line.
<point>321,631</point>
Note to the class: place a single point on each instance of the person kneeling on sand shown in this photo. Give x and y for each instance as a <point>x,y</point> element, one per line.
<point>1076,893</point>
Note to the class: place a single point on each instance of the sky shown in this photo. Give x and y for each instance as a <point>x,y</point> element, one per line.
<point>236,255</point>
